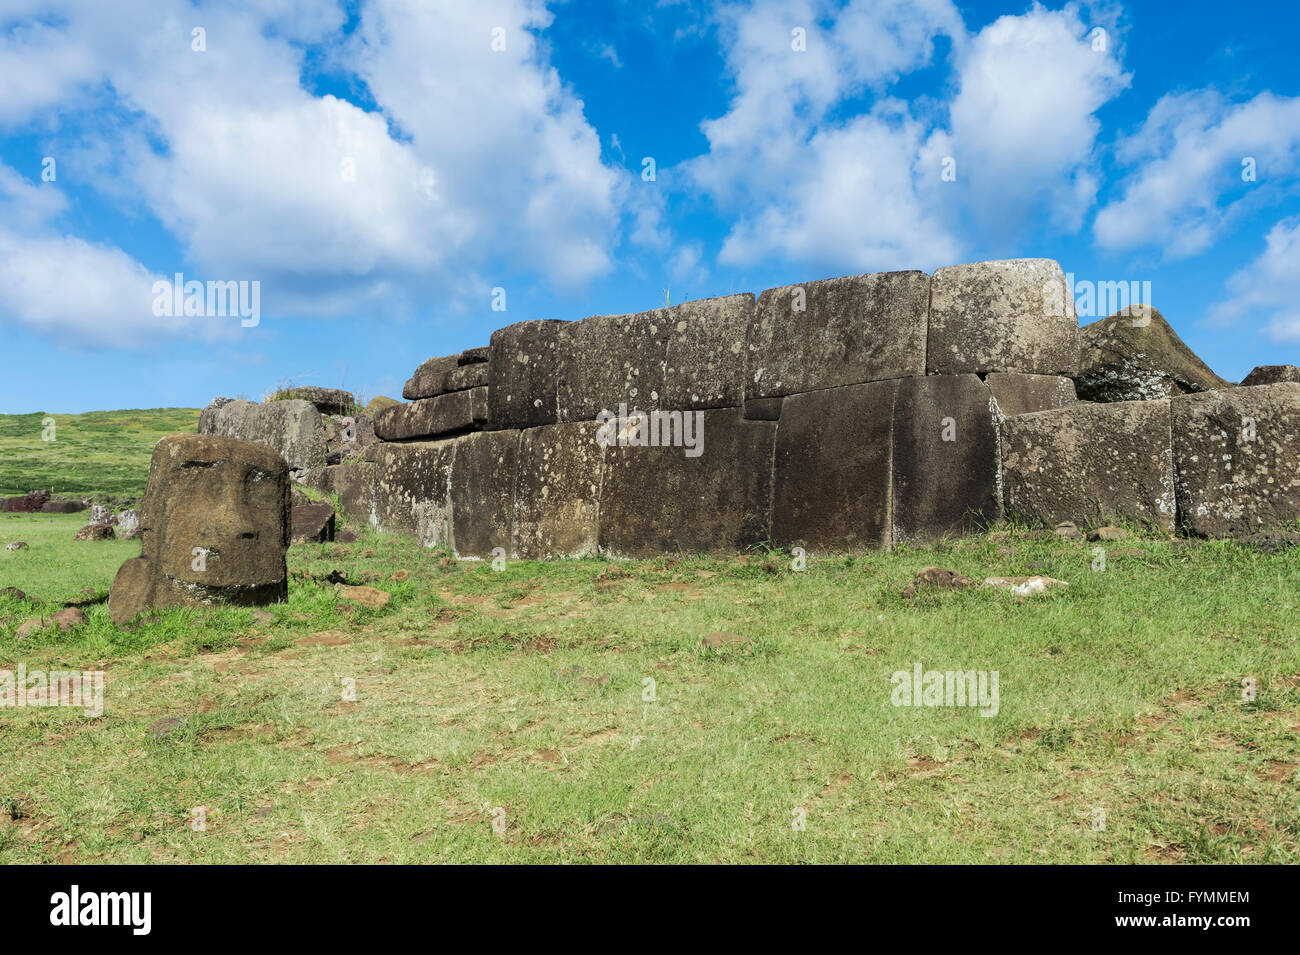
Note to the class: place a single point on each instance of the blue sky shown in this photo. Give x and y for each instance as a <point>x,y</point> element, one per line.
<point>379,168</point>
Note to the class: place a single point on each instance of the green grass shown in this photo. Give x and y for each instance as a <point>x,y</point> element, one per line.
<point>101,454</point>
<point>1120,692</point>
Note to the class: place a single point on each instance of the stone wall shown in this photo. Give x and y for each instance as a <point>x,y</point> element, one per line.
<point>839,415</point>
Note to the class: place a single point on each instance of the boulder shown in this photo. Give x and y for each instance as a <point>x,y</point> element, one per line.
<point>311,523</point>
<point>1023,394</point>
<point>412,490</point>
<point>483,492</point>
<point>292,427</point>
<point>379,403</point>
<point>836,332</point>
<point>832,470</point>
<point>557,492</point>
<point>1090,464</point>
<point>328,401</point>
<point>95,532</point>
<point>659,499</point>
<point>214,528</point>
<point>1271,375</point>
<point>611,360</point>
<point>30,503</point>
<point>446,415</point>
<point>945,458</point>
<point>63,507</point>
<point>522,374</point>
<point>1237,459</point>
<point>1009,315</point>
<point>437,376</point>
<point>1134,355</point>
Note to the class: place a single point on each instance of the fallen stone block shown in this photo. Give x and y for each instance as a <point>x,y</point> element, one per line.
<point>1009,315</point>
<point>1134,355</point>
<point>832,469</point>
<point>291,427</point>
<point>483,493</point>
<point>945,458</point>
<point>311,523</point>
<point>443,416</point>
<point>557,492</point>
<point>1023,394</point>
<point>327,401</point>
<point>658,499</point>
<point>438,376</point>
<point>30,503</point>
<point>63,507</point>
<point>1271,375</point>
<point>522,374</point>
<point>1237,459</point>
<point>1090,464</point>
<point>835,332</point>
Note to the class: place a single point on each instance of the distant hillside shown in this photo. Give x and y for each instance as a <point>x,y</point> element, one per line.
<point>100,453</point>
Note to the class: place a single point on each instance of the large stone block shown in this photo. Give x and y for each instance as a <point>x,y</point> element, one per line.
<point>705,364</point>
<point>945,458</point>
<point>1090,464</point>
<point>438,376</point>
<point>292,427</point>
<point>438,417</point>
<point>611,360</point>
<point>354,486</point>
<point>832,471</point>
<point>483,492</point>
<point>1271,375</point>
<point>1237,459</point>
<point>1134,355</point>
<point>1024,394</point>
<point>835,332</point>
<point>1010,315</point>
<point>658,500</point>
<point>412,490</point>
<point>522,374</point>
<point>214,528</point>
<point>557,491</point>
<point>328,401</point>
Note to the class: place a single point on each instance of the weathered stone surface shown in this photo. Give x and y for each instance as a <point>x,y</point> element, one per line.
<point>449,414</point>
<point>557,492</point>
<point>763,409</point>
<point>705,363</point>
<point>1271,375</point>
<point>1090,464</point>
<point>63,507</point>
<point>354,486</point>
<point>1008,315</point>
<point>945,458</point>
<point>214,528</point>
<point>1134,355</point>
<point>208,415</point>
<point>1237,459</point>
<point>835,332</point>
<point>292,427</point>
<point>328,401</point>
<point>412,490</point>
<point>832,469</point>
<point>95,532</point>
<point>522,374</point>
<point>657,500</point>
<point>438,376</point>
<point>311,523</point>
<point>1023,394</point>
<point>30,503</point>
<point>608,360</point>
<point>483,492</point>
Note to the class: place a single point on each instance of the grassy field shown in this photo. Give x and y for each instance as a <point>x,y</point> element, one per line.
<point>506,716</point>
<point>102,454</point>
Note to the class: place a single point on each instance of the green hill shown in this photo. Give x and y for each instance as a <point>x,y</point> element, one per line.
<point>102,454</point>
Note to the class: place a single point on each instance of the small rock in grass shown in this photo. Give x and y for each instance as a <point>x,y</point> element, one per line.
<point>1068,530</point>
<point>13,592</point>
<point>366,596</point>
<point>1107,533</point>
<point>263,616</point>
<point>68,618</point>
<point>400,575</point>
<point>1024,586</point>
<point>936,578</point>
<point>16,545</point>
<point>28,627</point>
<point>718,640</point>
<point>96,532</point>
<point>163,728</point>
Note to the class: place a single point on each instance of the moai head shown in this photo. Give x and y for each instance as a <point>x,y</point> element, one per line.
<point>214,527</point>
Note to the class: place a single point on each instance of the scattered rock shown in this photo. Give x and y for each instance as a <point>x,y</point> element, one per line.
<point>1024,586</point>
<point>163,728</point>
<point>311,523</point>
<point>262,617</point>
<point>16,545</point>
<point>30,503</point>
<point>720,639</point>
<point>30,626</point>
<point>68,618</point>
<point>366,596</point>
<point>13,592</point>
<point>1068,530</point>
<point>400,575</point>
<point>936,578</point>
<point>1107,533</point>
